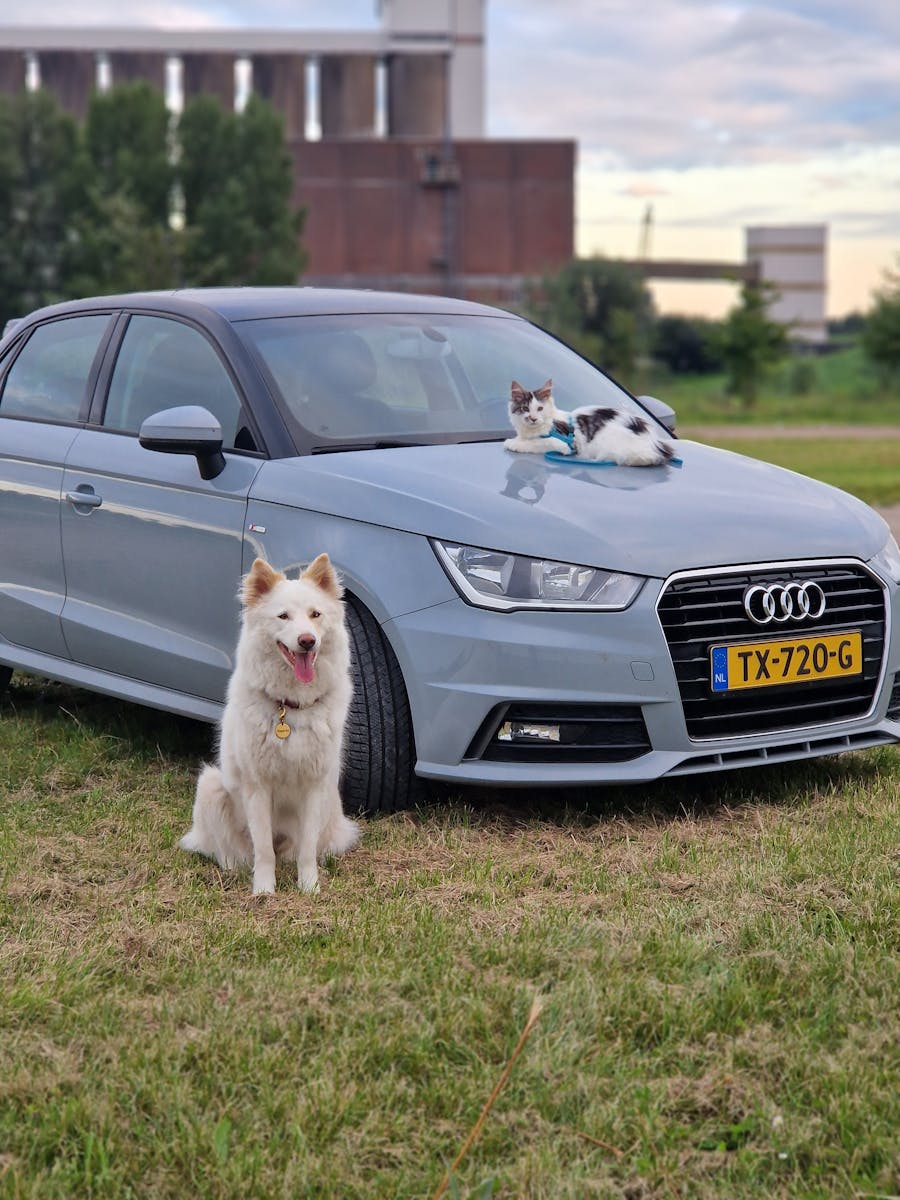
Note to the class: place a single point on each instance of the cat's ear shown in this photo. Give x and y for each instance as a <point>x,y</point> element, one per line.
<point>544,393</point>
<point>517,391</point>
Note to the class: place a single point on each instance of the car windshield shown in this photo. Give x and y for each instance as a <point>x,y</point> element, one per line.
<point>379,378</point>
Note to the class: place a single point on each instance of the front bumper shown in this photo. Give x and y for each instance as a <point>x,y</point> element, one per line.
<point>464,665</point>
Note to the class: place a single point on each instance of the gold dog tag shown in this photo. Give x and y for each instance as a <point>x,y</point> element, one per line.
<point>282,729</point>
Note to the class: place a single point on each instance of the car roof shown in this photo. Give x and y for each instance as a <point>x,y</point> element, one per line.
<point>254,303</point>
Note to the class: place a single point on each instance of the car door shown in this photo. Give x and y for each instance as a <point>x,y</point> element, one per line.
<point>44,392</point>
<point>153,552</point>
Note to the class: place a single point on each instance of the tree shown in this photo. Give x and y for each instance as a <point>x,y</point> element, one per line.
<point>236,179</point>
<point>687,344</point>
<point>600,306</point>
<point>881,333</point>
<point>126,136</point>
<point>115,249</point>
<point>9,175</point>
<point>751,342</point>
<point>847,326</point>
<point>41,195</point>
<point>87,210</point>
<point>123,240</point>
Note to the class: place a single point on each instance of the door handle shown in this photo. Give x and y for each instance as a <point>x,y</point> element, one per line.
<point>84,496</point>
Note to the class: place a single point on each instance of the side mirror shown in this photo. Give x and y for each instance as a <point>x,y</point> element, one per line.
<point>187,430</point>
<point>662,411</point>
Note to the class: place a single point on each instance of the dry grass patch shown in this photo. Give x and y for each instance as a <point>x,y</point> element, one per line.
<point>718,961</point>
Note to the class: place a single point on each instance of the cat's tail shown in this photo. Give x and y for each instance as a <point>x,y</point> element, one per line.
<point>666,451</point>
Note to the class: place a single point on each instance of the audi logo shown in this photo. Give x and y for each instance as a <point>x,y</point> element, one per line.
<point>780,602</point>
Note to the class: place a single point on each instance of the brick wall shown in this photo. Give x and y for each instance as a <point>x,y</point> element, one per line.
<point>409,214</point>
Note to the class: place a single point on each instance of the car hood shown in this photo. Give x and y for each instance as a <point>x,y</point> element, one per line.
<point>715,508</point>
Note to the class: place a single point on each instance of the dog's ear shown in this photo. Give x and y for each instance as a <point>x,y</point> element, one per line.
<point>323,575</point>
<point>258,582</point>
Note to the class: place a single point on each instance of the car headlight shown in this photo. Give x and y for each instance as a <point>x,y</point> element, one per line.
<point>887,560</point>
<point>492,579</point>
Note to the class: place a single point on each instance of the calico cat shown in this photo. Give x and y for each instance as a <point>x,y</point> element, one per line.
<point>594,433</point>
<point>534,416</point>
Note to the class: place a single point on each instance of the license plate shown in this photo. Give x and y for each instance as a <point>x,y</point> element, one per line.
<point>785,660</point>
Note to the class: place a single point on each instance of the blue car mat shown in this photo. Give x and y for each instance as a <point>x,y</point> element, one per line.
<point>555,456</point>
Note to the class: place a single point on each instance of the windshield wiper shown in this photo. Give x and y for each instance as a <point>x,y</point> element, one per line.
<point>435,439</point>
<point>381,444</point>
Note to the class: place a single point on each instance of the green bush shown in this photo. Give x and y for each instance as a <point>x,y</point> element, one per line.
<point>601,307</point>
<point>881,335</point>
<point>687,344</point>
<point>751,342</point>
<point>802,377</point>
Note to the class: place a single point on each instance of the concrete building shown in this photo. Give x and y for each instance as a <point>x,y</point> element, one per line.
<point>386,128</point>
<point>792,259</point>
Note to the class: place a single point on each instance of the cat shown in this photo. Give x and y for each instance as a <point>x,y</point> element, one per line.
<point>533,416</point>
<point>594,433</point>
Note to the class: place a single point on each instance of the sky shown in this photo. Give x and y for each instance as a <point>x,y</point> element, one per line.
<point>718,114</point>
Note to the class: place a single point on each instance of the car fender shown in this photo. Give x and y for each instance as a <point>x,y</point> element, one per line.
<point>390,571</point>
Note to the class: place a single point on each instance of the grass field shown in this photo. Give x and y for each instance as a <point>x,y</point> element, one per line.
<point>846,392</point>
<point>718,961</point>
<point>866,467</point>
<point>842,388</point>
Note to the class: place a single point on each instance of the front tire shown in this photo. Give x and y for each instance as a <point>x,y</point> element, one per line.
<point>5,676</point>
<point>379,748</point>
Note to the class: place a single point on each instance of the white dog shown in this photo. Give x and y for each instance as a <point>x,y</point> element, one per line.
<point>275,790</point>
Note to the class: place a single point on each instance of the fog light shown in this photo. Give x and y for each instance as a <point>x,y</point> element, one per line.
<point>527,731</point>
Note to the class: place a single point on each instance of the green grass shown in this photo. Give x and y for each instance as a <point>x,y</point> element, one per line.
<point>866,467</point>
<point>718,959</point>
<point>845,389</point>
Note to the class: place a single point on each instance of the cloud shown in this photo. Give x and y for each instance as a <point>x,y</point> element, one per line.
<point>864,224</point>
<point>157,13</point>
<point>725,112</point>
<point>199,14</point>
<point>658,84</point>
<point>643,189</point>
<point>644,85</point>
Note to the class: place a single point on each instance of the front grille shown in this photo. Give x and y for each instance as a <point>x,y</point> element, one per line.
<point>893,708</point>
<point>697,613</point>
<point>587,733</point>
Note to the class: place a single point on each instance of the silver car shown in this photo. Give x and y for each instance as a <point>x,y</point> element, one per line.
<point>514,620</point>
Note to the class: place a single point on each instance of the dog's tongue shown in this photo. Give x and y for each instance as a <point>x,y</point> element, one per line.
<point>305,666</point>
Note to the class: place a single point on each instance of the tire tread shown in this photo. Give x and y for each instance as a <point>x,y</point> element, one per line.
<point>379,753</point>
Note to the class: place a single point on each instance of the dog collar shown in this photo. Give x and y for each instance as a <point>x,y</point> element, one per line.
<point>296,703</point>
<point>282,729</point>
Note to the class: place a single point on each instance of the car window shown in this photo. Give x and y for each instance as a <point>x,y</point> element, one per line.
<point>379,375</point>
<point>49,377</point>
<point>165,364</point>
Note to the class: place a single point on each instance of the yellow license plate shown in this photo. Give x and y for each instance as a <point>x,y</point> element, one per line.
<point>785,660</point>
